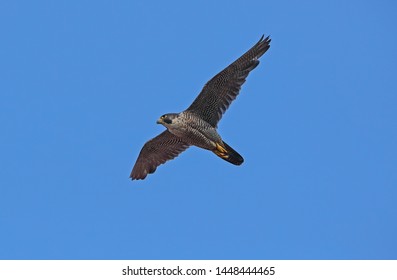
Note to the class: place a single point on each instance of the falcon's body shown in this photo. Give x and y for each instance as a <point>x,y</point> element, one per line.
<point>194,130</point>
<point>197,125</point>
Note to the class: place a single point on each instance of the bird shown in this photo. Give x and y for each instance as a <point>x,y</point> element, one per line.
<point>197,125</point>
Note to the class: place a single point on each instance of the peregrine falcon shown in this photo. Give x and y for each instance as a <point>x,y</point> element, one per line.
<point>197,125</point>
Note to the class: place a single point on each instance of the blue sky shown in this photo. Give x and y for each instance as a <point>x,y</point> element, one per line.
<point>83,83</point>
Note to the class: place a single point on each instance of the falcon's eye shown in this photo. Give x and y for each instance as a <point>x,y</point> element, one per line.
<point>167,120</point>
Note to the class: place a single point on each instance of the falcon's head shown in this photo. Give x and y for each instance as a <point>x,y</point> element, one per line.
<point>167,119</point>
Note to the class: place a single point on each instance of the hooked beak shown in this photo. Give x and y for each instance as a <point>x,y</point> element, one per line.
<point>159,121</point>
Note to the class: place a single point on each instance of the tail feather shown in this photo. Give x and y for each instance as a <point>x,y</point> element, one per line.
<point>224,151</point>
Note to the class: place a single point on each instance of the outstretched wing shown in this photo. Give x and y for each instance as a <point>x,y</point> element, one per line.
<point>156,151</point>
<point>221,90</point>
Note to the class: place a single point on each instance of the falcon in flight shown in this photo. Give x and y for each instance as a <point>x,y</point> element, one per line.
<point>197,125</point>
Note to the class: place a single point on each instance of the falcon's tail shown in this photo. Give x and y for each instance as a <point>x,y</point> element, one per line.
<point>225,152</point>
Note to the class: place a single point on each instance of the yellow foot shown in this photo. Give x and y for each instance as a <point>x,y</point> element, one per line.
<point>220,151</point>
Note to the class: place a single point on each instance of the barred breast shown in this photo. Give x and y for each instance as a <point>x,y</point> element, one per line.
<point>195,131</point>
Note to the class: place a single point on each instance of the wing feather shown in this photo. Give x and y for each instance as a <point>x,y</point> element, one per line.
<point>156,151</point>
<point>219,92</point>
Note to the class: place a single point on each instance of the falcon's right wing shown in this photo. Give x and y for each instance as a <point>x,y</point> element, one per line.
<point>156,151</point>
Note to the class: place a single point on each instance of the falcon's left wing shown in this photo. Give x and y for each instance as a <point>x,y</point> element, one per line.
<point>221,90</point>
